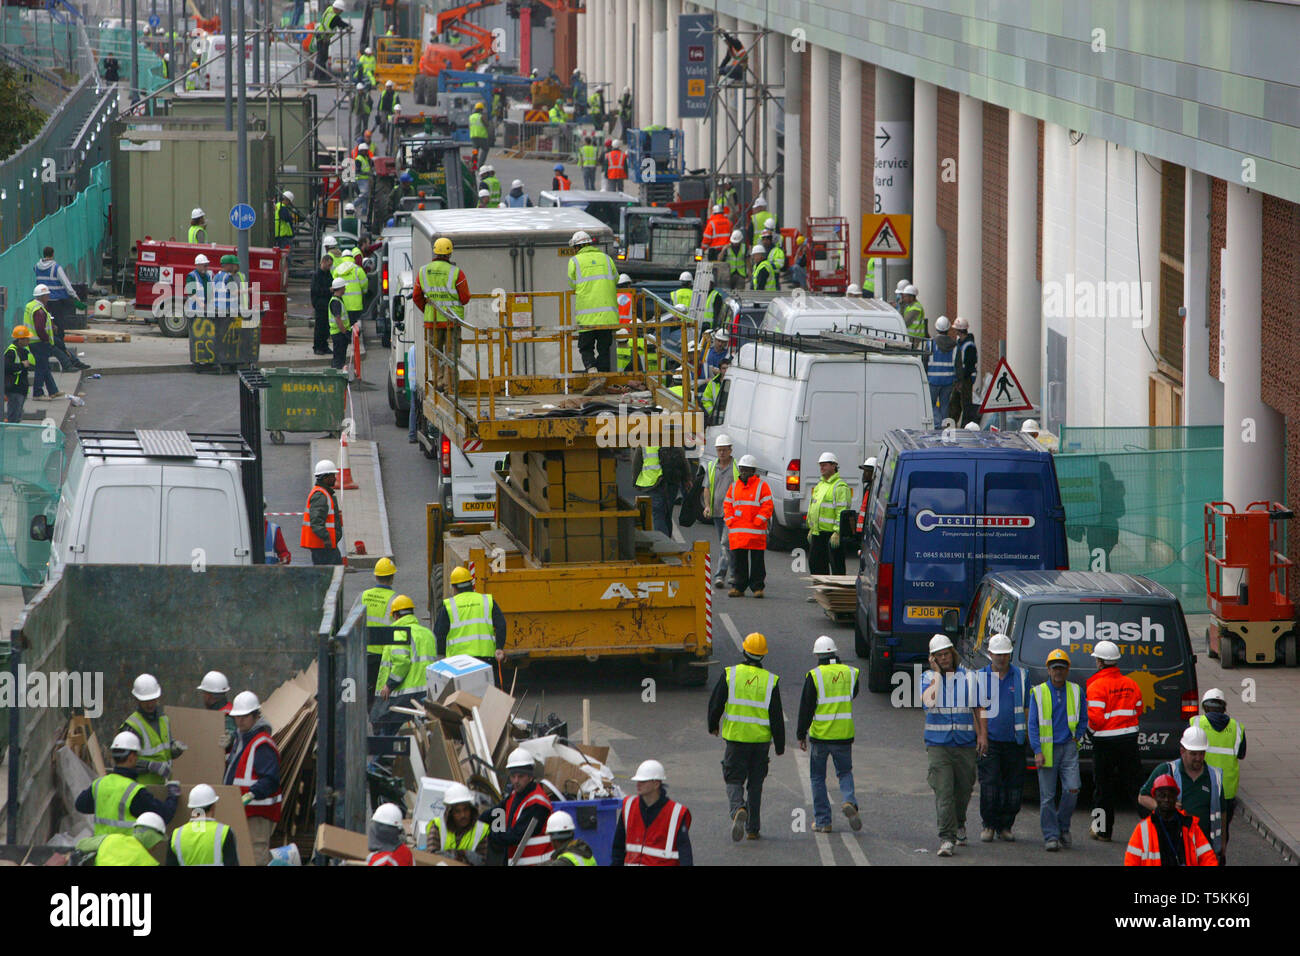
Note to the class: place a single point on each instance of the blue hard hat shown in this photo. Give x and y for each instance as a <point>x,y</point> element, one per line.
<point>559,167</point>
<point>391,222</point>
<point>405,177</point>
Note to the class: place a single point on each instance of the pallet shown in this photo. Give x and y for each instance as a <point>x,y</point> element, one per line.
<point>99,336</point>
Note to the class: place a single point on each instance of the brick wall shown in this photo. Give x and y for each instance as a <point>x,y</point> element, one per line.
<point>867,165</point>
<point>946,216</point>
<point>993,304</point>
<point>805,134</point>
<point>1218,237</point>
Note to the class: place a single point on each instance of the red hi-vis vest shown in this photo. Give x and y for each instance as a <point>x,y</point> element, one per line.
<point>268,807</point>
<point>624,300</point>
<point>616,160</point>
<point>1144,846</point>
<point>655,845</point>
<point>399,857</point>
<point>538,849</point>
<point>562,181</point>
<point>1114,704</point>
<point>309,539</point>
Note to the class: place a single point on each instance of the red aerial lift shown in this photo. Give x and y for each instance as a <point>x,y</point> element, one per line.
<point>828,254</point>
<point>439,56</point>
<point>1257,624</point>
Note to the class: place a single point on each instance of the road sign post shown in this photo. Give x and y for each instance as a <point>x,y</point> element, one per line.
<point>242,216</point>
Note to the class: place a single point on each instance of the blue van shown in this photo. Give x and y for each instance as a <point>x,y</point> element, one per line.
<point>946,508</point>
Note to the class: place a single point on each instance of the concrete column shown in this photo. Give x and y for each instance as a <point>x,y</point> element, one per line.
<point>970,219</point>
<point>792,159</point>
<point>595,38</point>
<point>895,106</point>
<point>671,42</point>
<point>583,59</point>
<point>1202,392</point>
<point>850,147</point>
<point>1024,295</point>
<point>819,106</point>
<point>643,93</point>
<point>929,267</point>
<point>618,50</point>
<point>630,41</point>
<point>659,77</point>
<point>1253,452</point>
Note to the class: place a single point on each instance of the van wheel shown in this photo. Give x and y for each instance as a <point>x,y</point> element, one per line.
<point>392,397</point>
<point>1227,651</point>
<point>861,647</point>
<point>878,669</point>
<point>402,417</point>
<point>174,326</point>
<point>1289,654</point>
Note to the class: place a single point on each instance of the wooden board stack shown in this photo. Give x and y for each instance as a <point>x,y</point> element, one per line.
<point>837,595</point>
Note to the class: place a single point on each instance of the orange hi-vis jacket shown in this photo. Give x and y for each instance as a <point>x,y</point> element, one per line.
<point>717,231</point>
<point>309,538</point>
<point>1144,845</point>
<point>747,511</point>
<point>616,164</point>
<point>1114,704</point>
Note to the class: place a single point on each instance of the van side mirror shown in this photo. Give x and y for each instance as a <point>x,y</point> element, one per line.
<point>952,623</point>
<point>41,528</point>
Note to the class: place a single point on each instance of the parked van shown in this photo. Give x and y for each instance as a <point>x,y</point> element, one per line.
<point>785,404</point>
<point>1043,611</point>
<point>396,260</point>
<point>466,487</point>
<point>405,333</point>
<point>813,314</point>
<point>946,508</point>
<point>152,497</point>
<point>604,204</point>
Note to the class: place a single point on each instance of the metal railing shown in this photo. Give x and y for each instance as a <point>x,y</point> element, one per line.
<point>559,141</point>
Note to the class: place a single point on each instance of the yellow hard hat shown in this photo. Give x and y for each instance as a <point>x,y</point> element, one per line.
<point>755,644</point>
<point>402,602</point>
<point>461,575</point>
<point>479,106</point>
<point>22,332</point>
<point>1058,655</point>
<point>442,247</point>
<point>384,568</point>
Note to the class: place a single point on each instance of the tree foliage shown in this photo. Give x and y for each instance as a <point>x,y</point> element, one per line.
<point>20,121</point>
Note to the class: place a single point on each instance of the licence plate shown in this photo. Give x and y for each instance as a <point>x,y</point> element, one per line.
<point>478,505</point>
<point>914,613</point>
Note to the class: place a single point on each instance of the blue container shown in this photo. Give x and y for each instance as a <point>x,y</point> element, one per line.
<point>594,823</point>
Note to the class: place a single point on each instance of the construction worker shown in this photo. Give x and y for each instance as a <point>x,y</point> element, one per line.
<point>214,687</point>
<point>826,716</point>
<point>762,277</point>
<point>387,838</point>
<point>587,155</point>
<point>458,833</point>
<point>914,314</point>
<point>747,510</point>
<point>402,189</point>
<point>941,371</point>
<point>340,326</point>
<point>577,89</point>
<point>716,233</point>
<point>362,107</point>
<point>898,294</point>
<point>681,296</point>
<point>117,799</point>
<point>567,851</point>
<point>132,848</point>
<point>254,767</point>
<point>330,247</point>
<point>366,65</point>
<point>1001,767</point>
<point>378,601</point>
<point>63,304</point>
<point>198,226</point>
<point>624,112</point>
<point>331,20</point>
<point>321,279</point>
<point>758,218</point>
<point>322,520</point>
<point>517,198</point>
<point>962,406</point>
<point>202,841</point>
<point>192,78</point>
<point>154,729</point>
<point>36,316</point>
<point>593,279</point>
<point>478,131</point>
<point>490,182</point>
<point>830,498</point>
<point>745,708</point>
<point>1226,750</point>
<point>953,737</point>
<point>385,110</point>
<point>559,180</point>
<point>484,199</point>
<point>874,266</point>
<point>734,256</point>
<point>286,217</point>
<point>596,110</point>
<point>853,291</point>
<point>348,222</point>
<point>1114,708</point>
<point>355,285</point>
<point>724,195</point>
<point>1200,788</point>
<point>623,299</point>
<point>556,113</point>
<point>198,288</point>
<point>403,666</point>
<point>652,830</point>
<point>1168,837</point>
<point>521,815</point>
<point>230,288</point>
<point>775,247</point>
<point>470,623</point>
<point>615,167</point>
<point>441,292</point>
<point>713,387</point>
<point>1055,732</point>
<point>365,169</point>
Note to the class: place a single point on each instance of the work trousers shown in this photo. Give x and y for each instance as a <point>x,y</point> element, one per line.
<point>841,754</point>
<point>1002,782</point>
<point>960,404</point>
<point>321,330</point>
<point>259,832</point>
<point>340,340</point>
<point>596,348</point>
<point>940,399</point>
<point>482,146</point>
<point>1117,775</point>
<point>744,768</point>
<point>44,380</point>
<point>1054,816</point>
<point>14,402</point>
<point>951,776</point>
<point>322,59</point>
<point>325,556</point>
<point>662,497</point>
<point>588,177</point>
<point>822,558</point>
<point>748,569</point>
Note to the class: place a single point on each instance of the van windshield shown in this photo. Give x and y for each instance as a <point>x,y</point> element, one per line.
<point>1140,630</point>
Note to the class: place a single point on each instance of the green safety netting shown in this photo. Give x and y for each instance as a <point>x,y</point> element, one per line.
<point>1134,502</point>
<point>31,463</point>
<point>72,46</point>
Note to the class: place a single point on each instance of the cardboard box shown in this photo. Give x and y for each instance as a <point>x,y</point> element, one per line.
<point>459,672</point>
<point>429,801</point>
<point>343,844</point>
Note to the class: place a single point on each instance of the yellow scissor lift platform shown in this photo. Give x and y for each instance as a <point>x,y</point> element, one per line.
<point>578,572</point>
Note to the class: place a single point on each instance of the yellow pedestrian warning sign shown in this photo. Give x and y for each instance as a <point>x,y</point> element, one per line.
<point>887,236</point>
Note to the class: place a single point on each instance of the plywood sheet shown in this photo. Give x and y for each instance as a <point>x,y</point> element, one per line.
<point>200,730</point>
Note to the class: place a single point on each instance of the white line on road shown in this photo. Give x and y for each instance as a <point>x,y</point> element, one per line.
<point>677,535</point>
<point>731,629</point>
<point>855,851</point>
<point>822,840</point>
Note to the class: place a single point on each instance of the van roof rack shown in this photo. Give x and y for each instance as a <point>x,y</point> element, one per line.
<point>155,443</point>
<point>859,340</point>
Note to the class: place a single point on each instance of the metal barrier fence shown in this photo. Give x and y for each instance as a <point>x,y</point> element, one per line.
<point>558,141</point>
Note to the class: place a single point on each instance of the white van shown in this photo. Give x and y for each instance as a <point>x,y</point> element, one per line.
<point>402,335</point>
<point>604,204</point>
<point>151,497</point>
<point>814,314</point>
<point>788,405</point>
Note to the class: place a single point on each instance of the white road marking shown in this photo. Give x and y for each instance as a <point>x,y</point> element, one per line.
<point>731,629</point>
<point>823,840</point>
<point>855,850</point>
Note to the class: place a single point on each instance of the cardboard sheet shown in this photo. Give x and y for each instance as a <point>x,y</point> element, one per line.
<point>343,844</point>
<point>228,811</point>
<point>200,730</point>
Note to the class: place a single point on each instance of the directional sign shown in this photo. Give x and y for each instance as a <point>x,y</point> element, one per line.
<point>695,63</point>
<point>154,21</point>
<point>242,216</point>
<point>1004,393</point>
<point>888,237</point>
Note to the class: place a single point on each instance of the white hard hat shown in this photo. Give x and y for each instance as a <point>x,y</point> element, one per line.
<point>853,290</point>
<point>520,759</point>
<point>389,814</point>
<point>517,184</point>
<point>325,467</point>
<point>244,704</point>
<point>939,643</point>
<point>649,770</point>
<point>769,226</point>
<point>721,334</point>
<point>960,324</point>
<point>972,426</point>
<point>579,238</point>
<point>624,279</point>
<point>202,796</point>
<point>457,793</point>
<point>828,456</point>
<point>339,283</point>
<point>1194,738</point>
<point>288,195</point>
<point>488,168</point>
<point>941,324</point>
<point>870,462</point>
<point>686,277</point>
<point>1106,651</point>
<point>1000,644</point>
<point>737,236</point>
<point>758,250</point>
<point>214,682</point>
<point>559,822</point>
<point>200,260</point>
<point>348,207</point>
<point>615,144</point>
<point>910,290</point>
<point>196,213</point>
<point>337,4</point>
<point>126,741</point>
<point>902,284</point>
<point>722,441</point>
<point>150,821</point>
<point>716,209</point>
<point>482,193</point>
<point>388,84</point>
<point>1213,694</point>
<point>146,688</point>
<point>360,87</point>
<point>825,645</point>
<point>329,242</point>
<point>368,50</point>
<point>41,289</point>
<point>747,461</point>
<point>1030,425</point>
<point>760,203</point>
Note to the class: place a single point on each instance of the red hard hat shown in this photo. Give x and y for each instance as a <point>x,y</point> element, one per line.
<point>1164,780</point>
<point>608,142</point>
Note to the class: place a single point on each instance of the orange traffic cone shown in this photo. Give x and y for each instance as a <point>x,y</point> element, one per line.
<point>346,481</point>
